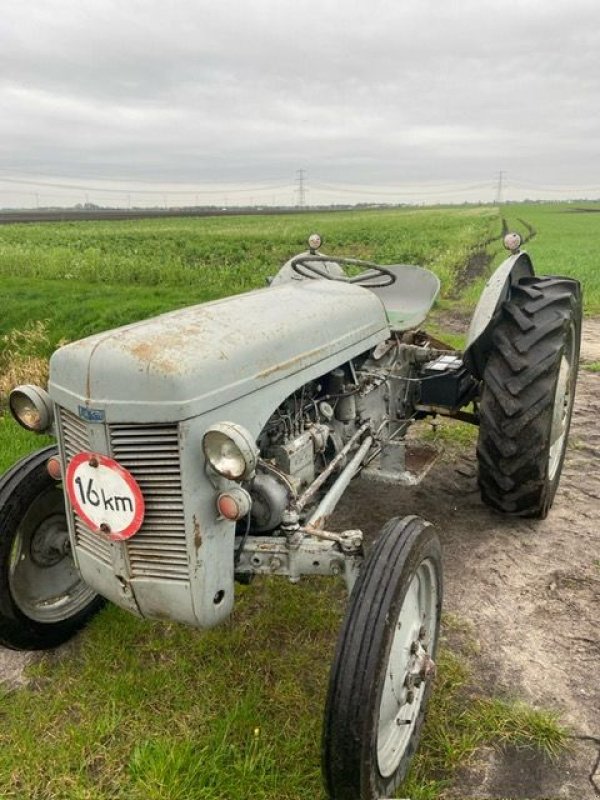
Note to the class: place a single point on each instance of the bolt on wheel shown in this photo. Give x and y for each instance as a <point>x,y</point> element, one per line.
<point>382,671</point>
<point>408,670</point>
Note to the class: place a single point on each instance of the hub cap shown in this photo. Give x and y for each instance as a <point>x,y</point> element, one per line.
<point>43,580</point>
<point>409,668</point>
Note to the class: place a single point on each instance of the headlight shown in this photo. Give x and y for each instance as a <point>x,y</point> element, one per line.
<point>230,450</point>
<point>32,407</point>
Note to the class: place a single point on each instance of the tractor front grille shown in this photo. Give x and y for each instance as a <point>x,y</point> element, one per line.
<point>75,439</point>
<point>151,453</point>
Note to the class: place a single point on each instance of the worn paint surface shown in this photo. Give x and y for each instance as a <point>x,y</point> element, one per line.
<point>197,534</point>
<point>208,355</point>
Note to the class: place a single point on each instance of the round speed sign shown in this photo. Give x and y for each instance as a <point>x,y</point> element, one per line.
<point>105,495</point>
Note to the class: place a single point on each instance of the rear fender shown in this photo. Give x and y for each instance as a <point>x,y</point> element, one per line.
<point>496,291</point>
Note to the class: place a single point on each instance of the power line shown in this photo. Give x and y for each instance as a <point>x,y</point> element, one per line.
<point>399,191</point>
<point>407,192</point>
<point>111,190</point>
<point>553,188</point>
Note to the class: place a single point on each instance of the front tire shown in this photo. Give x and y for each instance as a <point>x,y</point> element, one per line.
<point>527,396</point>
<point>381,675</point>
<point>43,600</point>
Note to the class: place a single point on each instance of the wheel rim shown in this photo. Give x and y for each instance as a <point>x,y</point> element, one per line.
<point>408,668</point>
<point>563,403</point>
<point>43,580</point>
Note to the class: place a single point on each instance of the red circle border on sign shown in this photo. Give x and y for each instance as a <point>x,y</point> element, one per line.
<point>140,506</point>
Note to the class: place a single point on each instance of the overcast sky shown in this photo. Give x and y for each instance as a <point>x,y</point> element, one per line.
<point>224,101</point>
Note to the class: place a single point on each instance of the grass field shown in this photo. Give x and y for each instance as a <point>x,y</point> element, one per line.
<point>154,710</point>
<point>565,241</point>
<point>87,276</point>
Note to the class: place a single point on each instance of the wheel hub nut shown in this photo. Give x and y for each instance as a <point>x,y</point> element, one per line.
<point>50,543</point>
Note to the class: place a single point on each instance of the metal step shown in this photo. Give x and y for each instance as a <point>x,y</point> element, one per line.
<point>401,462</point>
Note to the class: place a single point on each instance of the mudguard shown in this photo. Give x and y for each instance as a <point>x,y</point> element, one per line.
<point>496,291</point>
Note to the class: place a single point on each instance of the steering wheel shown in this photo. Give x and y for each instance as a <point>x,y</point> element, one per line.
<point>374,277</point>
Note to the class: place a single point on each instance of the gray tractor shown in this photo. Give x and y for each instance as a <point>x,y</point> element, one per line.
<point>213,443</point>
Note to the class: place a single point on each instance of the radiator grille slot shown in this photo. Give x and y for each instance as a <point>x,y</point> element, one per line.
<point>75,439</point>
<point>151,454</point>
<point>91,542</point>
<point>75,434</point>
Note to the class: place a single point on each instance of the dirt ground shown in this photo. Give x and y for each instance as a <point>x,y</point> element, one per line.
<point>529,590</point>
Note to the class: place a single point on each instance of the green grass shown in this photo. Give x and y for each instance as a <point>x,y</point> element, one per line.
<point>84,277</point>
<point>151,710</point>
<point>448,432</point>
<point>241,251</point>
<point>461,719</point>
<point>592,366</point>
<point>144,710</point>
<point>567,242</point>
<point>73,310</point>
<point>16,442</point>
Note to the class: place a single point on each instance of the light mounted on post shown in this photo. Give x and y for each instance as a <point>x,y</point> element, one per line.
<point>512,242</point>
<point>314,242</point>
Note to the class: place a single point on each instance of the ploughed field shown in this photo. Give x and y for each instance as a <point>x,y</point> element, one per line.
<point>154,710</point>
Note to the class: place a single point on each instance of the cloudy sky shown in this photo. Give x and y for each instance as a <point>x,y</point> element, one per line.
<point>188,101</point>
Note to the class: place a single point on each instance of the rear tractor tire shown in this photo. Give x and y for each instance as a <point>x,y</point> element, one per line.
<point>43,599</point>
<point>382,670</point>
<point>527,396</point>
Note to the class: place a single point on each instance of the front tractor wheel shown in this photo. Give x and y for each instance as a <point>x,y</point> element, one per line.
<point>43,600</point>
<point>382,671</point>
<point>527,396</point>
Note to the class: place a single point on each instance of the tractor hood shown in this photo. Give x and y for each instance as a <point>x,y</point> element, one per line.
<point>191,361</point>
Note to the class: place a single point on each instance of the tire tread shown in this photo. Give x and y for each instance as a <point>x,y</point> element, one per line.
<point>17,631</point>
<point>518,394</point>
<point>362,635</point>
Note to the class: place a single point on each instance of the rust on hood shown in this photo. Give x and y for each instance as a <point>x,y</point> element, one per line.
<point>309,355</point>
<point>197,533</point>
<point>152,354</point>
<point>161,350</point>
